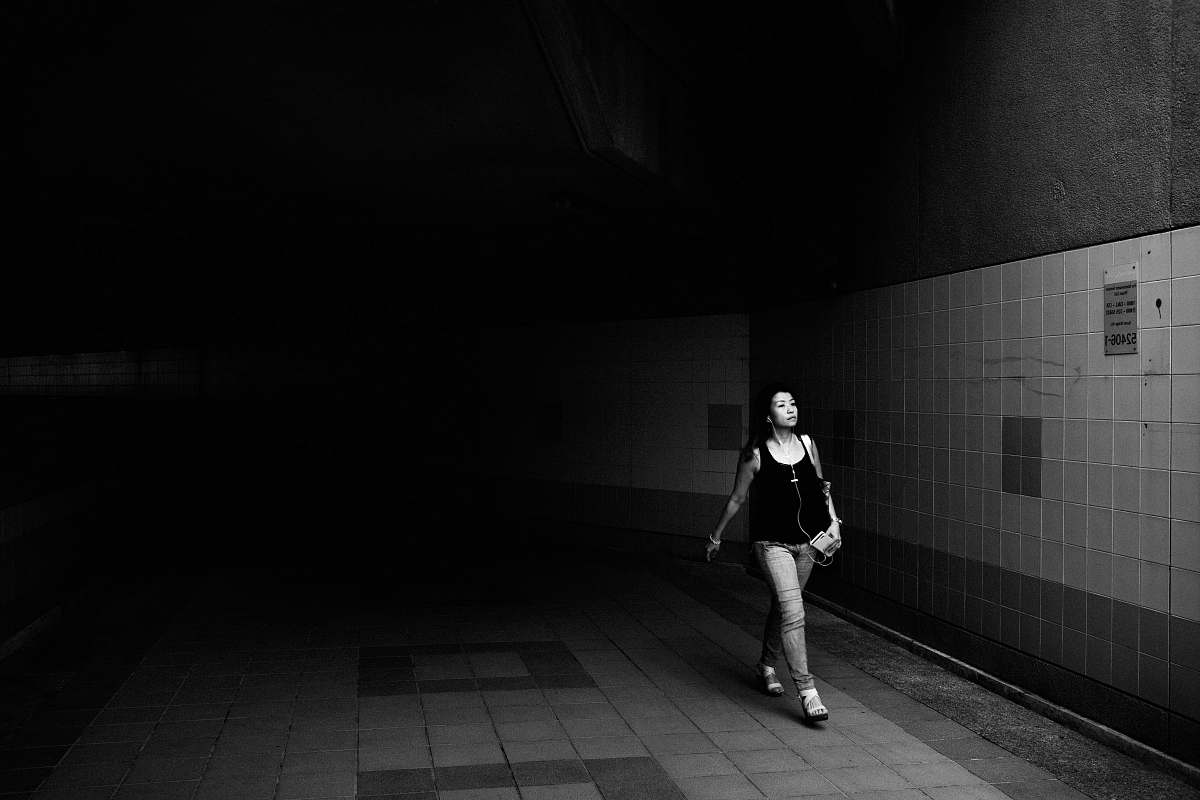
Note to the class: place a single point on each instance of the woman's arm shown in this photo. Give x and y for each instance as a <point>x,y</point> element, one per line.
<point>816,457</point>
<point>741,490</point>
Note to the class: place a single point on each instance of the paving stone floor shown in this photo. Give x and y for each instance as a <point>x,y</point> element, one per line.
<point>576,677</point>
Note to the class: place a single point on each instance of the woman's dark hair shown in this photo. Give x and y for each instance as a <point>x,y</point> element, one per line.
<point>760,428</point>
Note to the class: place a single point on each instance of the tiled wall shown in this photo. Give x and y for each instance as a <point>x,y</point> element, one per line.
<point>631,424</point>
<point>1002,475</point>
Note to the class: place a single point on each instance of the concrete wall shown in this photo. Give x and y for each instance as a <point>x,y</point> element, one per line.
<point>1014,130</point>
<point>630,425</point>
<point>1014,496</point>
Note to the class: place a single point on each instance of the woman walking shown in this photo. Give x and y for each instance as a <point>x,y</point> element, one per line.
<point>780,471</point>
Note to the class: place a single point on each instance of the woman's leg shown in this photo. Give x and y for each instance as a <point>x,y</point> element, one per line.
<point>787,571</point>
<point>772,641</point>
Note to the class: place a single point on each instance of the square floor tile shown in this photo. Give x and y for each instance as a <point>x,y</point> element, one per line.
<point>396,781</point>
<point>491,793</point>
<point>308,786</point>
<point>636,778</point>
<point>459,755</point>
<point>693,765</point>
<point>610,747</point>
<point>461,734</point>
<point>182,790</point>
<point>998,770</point>
<point>674,743</point>
<point>568,791</point>
<point>155,770</point>
<point>530,731</point>
<point>792,784</point>
<point>558,771</point>
<point>719,787</point>
<point>476,776</point>
<point>941,773</point>
<point>245,788</point>
<point>548,750</point>
<point>751,761</point>
<point>745,740</point>
<point>386,757</point>
<point>837,757</point>
<point>865,778</point>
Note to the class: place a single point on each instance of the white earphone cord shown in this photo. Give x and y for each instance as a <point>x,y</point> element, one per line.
<point>796,486</point>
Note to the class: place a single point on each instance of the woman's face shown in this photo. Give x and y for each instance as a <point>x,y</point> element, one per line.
<point>783,410</point>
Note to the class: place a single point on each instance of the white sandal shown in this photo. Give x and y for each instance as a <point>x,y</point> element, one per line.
<point>814,709</point>
<point>771,683</point>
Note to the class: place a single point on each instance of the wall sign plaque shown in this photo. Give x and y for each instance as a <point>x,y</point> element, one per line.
<point>1120,310</point>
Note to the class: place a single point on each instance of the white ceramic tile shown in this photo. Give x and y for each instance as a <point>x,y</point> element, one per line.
<point>1098,362</point>
<point>1156,398</point>
<point>1154,304</point>
<point>993,319</point>
<point>1185,446</point>
<point>1075,348</point>
<point>1100,397</point>
<point>1076,312</point>
<point>1053,315</point>
<point>1153,254</point>
<point>1053,273</point>
<point>1127,397</point>
<point>1156,582</point>
<point>1053,356</point>
<point>1155,541</point>
<point>1185,496</point>
<point>1154,351</point>
<point>1031,277</point>
<point>1096,311</point>
<point>1185,349</point>
<point>1185,544</point>
<point>1127,443</point>
<point>1100,258</point>
<point>1010,312</point>
<point>1185,301</point>
<point>1185,398</point>
<point>1156,445</point>
<point>1185,593</point>
<point>1156,492</point>
<point>1185,251</point>
<point>1010,281</point>
<point>1099,441</point>
<point>1031,317</point>
<point>1076,270</point>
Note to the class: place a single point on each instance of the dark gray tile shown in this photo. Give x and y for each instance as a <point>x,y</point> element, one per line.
<point>1011,433</point>
<point>1099,617</point>
<point>632,778</point>
<point>546,773</point>
<point>1153,680</point>
<point>1011,474</point>
<point>1074,608</point>
<point>967,747</point>
<point>1031,437</point>
<point>1031,477</point>
<point>447,685</point>
<point>580,681</point>
<point>475,776</point>
<point>1185,642</point>
<point>1152,633</point>
<point>394,781</point>
<point>1125,624</point>
<point>507,684</point>
<point>387,689</point>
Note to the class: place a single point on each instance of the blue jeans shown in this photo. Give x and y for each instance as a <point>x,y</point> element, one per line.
<point>786,567</point>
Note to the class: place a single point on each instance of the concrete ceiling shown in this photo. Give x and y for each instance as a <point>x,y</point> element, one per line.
<point>426,141</point>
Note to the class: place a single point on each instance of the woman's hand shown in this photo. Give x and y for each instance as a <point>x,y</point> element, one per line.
<point>711,549</point>
<point>835,530</point>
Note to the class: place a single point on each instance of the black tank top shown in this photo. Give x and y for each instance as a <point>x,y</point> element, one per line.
<point>773,500</point>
